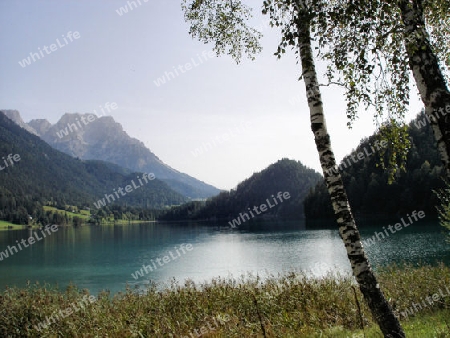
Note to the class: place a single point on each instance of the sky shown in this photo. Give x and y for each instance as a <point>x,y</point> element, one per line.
<point>213,119</point>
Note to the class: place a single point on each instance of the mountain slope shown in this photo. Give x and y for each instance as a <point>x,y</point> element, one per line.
<point>284,176</point>
<point>88,137</point>
<point>367,184</point>
<point>44,175</point>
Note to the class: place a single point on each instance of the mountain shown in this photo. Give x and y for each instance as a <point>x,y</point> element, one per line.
<point>35,174</point>
<point>14,115</point>
<point>367,185</point>
<point>89,137</point>
<point>261,188</point>
<point>40,126</point>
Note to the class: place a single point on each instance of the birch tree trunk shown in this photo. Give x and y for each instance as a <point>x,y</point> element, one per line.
<point>427,73</point>
<point>380,308</point>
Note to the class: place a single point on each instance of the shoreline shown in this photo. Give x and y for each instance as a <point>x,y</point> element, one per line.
<point>7,226</point>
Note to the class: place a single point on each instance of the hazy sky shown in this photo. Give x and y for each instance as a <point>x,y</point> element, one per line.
<point>99,56</point>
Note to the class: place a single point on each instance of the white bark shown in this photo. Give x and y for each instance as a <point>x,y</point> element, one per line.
<point>428,76</point>
<point>381,310</point>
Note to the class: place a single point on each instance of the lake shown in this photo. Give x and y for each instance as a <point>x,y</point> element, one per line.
<point>107,257</point>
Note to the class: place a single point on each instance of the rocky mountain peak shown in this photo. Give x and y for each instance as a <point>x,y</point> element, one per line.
<point>41,126</point>
<point>90,137</point>
<point>14,115</point>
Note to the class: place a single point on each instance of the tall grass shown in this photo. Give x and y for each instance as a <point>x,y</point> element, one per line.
<point>292,305</point>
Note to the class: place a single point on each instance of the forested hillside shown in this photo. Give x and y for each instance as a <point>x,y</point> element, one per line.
<point>367,185</point>
<point>89,137</point>
<point>284,176</point>
<point>45,176</point>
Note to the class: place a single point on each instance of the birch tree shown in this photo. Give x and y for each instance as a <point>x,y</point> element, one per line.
<point>375,46</point>
<point>224,23</point>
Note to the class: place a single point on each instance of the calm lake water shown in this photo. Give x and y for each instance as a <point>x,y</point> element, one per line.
<point>105,257</point>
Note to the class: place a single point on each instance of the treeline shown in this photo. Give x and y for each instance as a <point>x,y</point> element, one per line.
<point>367,185</point>
<point>285,176</point>
<point>70,215</point>
<point>365,181</point>
<point>123,213</point>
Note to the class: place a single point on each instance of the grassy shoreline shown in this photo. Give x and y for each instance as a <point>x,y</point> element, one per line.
<point>10,226</point>
<point>5,226</point>
<point>291,305</point>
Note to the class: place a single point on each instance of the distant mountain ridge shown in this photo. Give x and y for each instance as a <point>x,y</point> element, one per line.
<point>14,115</point>
<point>39,175</point>
<point>284,176</point>
<point>89,137</point>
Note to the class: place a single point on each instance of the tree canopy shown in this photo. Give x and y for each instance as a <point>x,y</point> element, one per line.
<point>366,44</point>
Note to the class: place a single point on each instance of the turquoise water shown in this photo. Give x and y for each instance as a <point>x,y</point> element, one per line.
<point>107,257</point>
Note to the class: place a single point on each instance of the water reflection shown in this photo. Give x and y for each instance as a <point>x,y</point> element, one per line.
<point>107,257</point>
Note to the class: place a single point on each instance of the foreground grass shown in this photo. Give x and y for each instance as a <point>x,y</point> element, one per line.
<point>292,305</point>
<point>430,325</point>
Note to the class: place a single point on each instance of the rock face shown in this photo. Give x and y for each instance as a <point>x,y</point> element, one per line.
<point>41,126</point>
<point>89,137</point>
<point>14,115</point>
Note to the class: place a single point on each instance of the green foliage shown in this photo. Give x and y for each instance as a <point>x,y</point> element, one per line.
<point>285,175</point>
<point>286,14</point>
<point>124,214</point>
<point>363,42</point>
<point>443,208</point>
<point>366,47</point>
<point>224,24</point>
<point>393,157</point>
<point>437,19</point>
<point>290,305</point>
<point>368,185</point>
